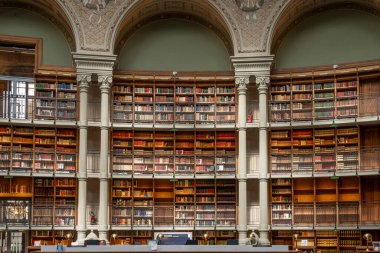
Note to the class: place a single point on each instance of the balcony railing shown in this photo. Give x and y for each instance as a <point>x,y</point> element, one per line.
<point>32,108</point>
<point>253,163</point>
<point>254,215</point>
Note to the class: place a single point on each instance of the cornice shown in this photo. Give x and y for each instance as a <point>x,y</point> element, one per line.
<point>94,63</point>
<point>252,65</point>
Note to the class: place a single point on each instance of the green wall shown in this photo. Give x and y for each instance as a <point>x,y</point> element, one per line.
<point>174,44</point>
<point>20,22</point>
<point>331,37</point>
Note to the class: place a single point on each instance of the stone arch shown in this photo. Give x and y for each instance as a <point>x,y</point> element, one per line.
<point>134,15</point>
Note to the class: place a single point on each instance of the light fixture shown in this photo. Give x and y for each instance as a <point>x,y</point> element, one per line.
<point>296,235</point>
<point>205,237</point>
<point>368,238</point>
<point>69,236</point>
<point>113,237</point>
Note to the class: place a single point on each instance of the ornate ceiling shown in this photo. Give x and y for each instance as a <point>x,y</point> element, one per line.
<point>248,27</point>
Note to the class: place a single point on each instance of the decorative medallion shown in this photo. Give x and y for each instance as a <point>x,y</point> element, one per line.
<point>249,6</point>
<point>95,4</point>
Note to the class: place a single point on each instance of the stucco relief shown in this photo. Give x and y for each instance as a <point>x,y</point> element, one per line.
<point>96,21</point>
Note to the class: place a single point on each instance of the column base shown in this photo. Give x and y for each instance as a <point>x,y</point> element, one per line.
<point>103,235</point>
<point>264,235</point>
<point>81,236</point>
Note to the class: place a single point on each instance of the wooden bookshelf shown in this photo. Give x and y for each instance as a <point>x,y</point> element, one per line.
<point>121,197</point>
<point>305,242</point>
<point>184,191</point>
<point>5,148</point>
<point>39,150</point>
<point>318,151</point>
<point>168,152</point>
<point>303,198</point>
<point>280,154</point>
<point>143,197</point>
<point>318,202</point>
<point>43,203</point>
<point>65,202</point>
<point>56,96</point>
<point>326,241</point>
<point>281,202</point>
<point>22,149</point>
<point>163,202</point>
<point>205,202</point>
<point>184,100</point>
<point>16,187</point>
<point>226,193</point>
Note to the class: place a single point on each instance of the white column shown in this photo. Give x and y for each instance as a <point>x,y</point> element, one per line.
<point>105,84</point>
<point>262,82</point>
<point>242,83</point>
<point>82,171</point>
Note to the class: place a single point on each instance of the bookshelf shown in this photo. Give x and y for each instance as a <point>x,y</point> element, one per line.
<point>122,150</point>
<point>5,148</point>
<point>205,102</point>
<point>143,152</point>
<point>164,152</point>
<point>280,153</point>
<point>184,100</point>
<point>163,202</point>
<point>205,202</point>
<point>326,241</point>
<point>226,107</point>
<point>315,151</point>
<point>321,94</point>
<point>226,152</point>
<point>56,96</point>
<point>121,197</point>
<point>44,149</point>
<point>226,193</point>
<point>143,96</point>
<point>281,202</point>
<point>303,198</point>
<point>40,150</point>
<point>16,187</point>
<point>22,149</point>
<point>205,153</point>
<point>122,106</point>
<point>65,202</point>
<point>143,202</point>
<point>348,240</point>
<point>43,203</point>
<point>184,191</point>
<point>164,100</point>
<point>184,150</point>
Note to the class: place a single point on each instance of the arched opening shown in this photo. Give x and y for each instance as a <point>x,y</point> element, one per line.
<point>332,35</point>
<point>174,45</point>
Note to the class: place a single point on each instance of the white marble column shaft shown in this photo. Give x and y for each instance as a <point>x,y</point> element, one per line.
<point>83,81</point>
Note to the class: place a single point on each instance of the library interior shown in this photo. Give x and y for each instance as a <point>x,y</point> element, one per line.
<point>227,122</point>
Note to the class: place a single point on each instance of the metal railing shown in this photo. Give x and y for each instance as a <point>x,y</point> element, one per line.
<point>32,108</point>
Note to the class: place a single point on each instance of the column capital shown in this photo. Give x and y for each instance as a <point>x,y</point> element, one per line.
<point>262,82</point>
<point>84,80</point>
<point>241,84</point>
<point>105,82</point>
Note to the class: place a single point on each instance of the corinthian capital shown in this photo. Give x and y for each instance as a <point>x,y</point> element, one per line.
<point>262,83</point>
<point>83,80</point>
<point>241,83</point>
<point>105,81</point>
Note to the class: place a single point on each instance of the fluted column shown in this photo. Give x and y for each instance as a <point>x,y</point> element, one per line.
<point>241,83</point>
<point>83,81</point>
<point>105,84</point>
<point>262,82</point>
